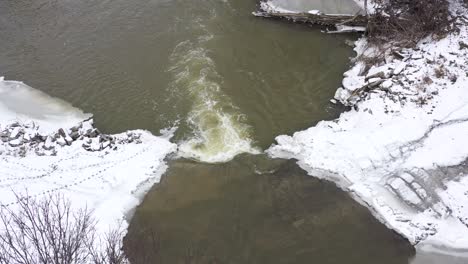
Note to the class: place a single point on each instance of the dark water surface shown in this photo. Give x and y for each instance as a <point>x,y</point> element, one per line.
<point>255,210</point>
<point>231,83</point>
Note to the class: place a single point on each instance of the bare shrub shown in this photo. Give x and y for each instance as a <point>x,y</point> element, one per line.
<point>48,231</point>
<point>406,22</point>
<point>107,250</point>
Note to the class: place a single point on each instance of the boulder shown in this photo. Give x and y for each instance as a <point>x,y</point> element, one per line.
<point>61,141</point>
<point>48,145</point>
<point>16,142</point>
<point>399,68</point>
<point>15,133</point>
<point>74,135</point>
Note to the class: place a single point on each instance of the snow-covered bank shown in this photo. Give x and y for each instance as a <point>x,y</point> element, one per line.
<point>50,147</point>
<point>402,151</point>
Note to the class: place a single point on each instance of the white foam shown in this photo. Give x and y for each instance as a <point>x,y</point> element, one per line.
<point>220,131</point>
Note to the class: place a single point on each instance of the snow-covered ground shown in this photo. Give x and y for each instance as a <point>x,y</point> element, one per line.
<point>47,147</point>
<point>402,150</point>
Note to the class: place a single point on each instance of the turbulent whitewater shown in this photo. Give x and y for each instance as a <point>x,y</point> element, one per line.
<point>220,131</point>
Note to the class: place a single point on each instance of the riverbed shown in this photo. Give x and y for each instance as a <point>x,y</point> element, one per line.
<point>227,83</point>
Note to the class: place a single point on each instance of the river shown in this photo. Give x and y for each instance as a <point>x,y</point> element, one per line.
<point>228,83</point>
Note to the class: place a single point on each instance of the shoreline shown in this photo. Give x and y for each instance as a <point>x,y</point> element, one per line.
<point>400,151</point>
<point>60,151</point>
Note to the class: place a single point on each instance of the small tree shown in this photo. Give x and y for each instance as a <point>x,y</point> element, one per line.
<point>48,231</point>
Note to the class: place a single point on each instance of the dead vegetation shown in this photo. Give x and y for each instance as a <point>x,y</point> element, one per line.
<point>406,22</point>
<point>48,231</point>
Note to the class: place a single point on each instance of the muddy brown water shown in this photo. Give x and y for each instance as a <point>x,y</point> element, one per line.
<point>256,210</point>
<point>230,82</point>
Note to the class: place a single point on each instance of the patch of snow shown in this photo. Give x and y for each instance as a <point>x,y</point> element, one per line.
<point>56,149</point>
<point>402,150</point>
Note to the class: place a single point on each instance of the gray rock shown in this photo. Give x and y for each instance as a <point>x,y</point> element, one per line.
<point>105,144</point>
<point>76,128</point>
<point>48,145</point>
<point>92,133</point>
<point>16,142</point>
<point>74,135</point>
<point>16,132</point>
<point>61,141</point>
<point>62,133</point>
<point>15,124</point>
<point>374,82</point>
<point>399,68</point>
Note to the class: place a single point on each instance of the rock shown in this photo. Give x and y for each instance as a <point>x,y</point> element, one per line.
<point>15,132</point>
<point>95,145</point>
<point>29,124</point>
<point>69,140</point>
<point>342,95</point>
<point>398,54</point>
<point>38,138</point>
<point>16,142</point>
<point>4,135</point>
<point>105,144</point>
<point>416,56</point>
<point>76,128</point>
<point>61,141</point>
<point>379,74</point>
<point>62,133</point>
<point>386,84</point>
<point>86,127</point>
<point>74,135</point>
<point>92,133</point>
<point>374,82</point>
<point>39,152</point>
<point>388,59</point>
<point>352,84</point>
<point>15,124</point>
<point>48,145</point>
<point>399,68</point>
<point>27,137</point>
<point>382,72</point>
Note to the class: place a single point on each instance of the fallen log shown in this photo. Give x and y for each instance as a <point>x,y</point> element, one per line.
<point>319,18</point>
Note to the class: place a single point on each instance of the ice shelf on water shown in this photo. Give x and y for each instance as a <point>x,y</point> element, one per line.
<point>48,147</point>
<point>402,150</point>
<point>347,7</point>
<point>21,103</point>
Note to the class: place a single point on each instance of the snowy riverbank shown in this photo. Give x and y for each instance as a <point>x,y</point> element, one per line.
<point>49,147</point>
<point>402,150</point>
